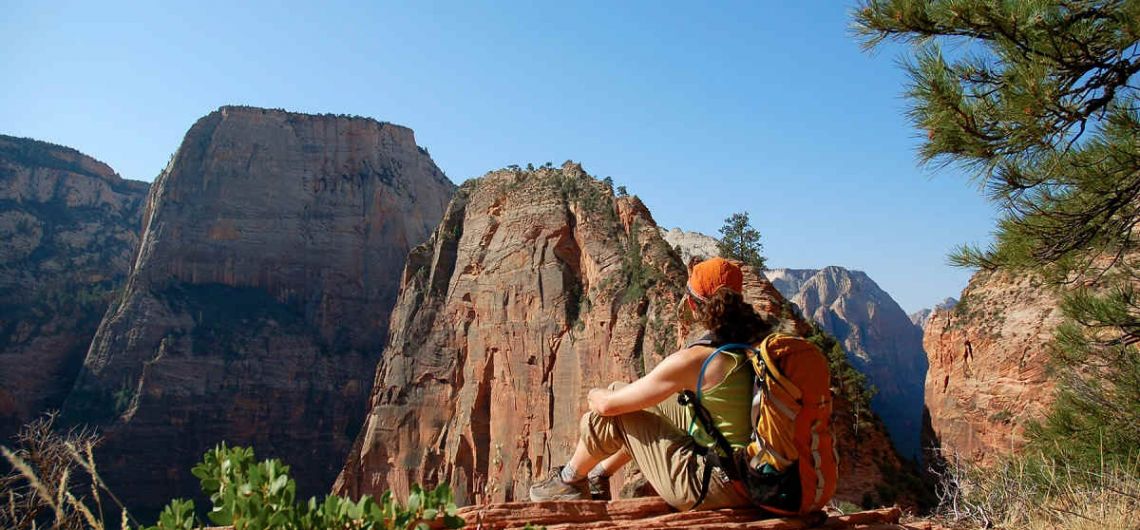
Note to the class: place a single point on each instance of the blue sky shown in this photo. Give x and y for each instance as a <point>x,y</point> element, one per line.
<point>765,107</point>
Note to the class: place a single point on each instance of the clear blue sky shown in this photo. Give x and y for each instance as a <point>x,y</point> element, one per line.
<point>765,107</point>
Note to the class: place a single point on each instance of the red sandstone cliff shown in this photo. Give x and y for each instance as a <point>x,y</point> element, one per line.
<point>259,301</point>
<point>987,358</point>
<point>535,287</point>
<point>68,230</point>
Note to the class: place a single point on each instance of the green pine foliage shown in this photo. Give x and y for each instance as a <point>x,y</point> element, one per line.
<point>850,384</point>
<point>1096,416</point>
<point>1040,102</point>
<point>740,241</point>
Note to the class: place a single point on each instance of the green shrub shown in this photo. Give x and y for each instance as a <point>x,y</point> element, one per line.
<point>253,495</point>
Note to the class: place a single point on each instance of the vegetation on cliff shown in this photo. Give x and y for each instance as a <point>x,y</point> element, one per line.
<point>1041,104</point>
<point>55,484</point>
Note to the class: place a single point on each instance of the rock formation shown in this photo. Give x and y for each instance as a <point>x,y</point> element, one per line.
<point>988,357</point>
<point>691,244</point>
<point>789,281</point>
<point>535,287</point>
<point>654,513</point>
<point>68,231</point>
<point>920,317</point>
<point>259,302</point>
<point>878,336</point>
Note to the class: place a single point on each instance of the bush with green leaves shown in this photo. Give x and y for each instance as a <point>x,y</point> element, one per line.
<point>251,495</point>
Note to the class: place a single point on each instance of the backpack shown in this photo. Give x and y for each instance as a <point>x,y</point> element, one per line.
<point>791,466</point>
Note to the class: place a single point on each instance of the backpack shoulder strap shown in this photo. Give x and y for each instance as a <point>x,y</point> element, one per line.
<point>748,349</point>
<point>767,355</point>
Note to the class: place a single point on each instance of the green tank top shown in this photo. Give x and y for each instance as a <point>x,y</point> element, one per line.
<point>730,404</point>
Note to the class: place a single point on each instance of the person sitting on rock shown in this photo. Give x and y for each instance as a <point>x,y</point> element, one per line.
<point>643,420</point>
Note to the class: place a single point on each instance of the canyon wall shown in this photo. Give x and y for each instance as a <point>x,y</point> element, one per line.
<point>259,302</point>
<point>988,357</point>
<point>69,228</point>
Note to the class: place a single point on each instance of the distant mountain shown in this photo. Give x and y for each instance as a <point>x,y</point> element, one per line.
<point>879,337</point>
<point>789,281</point>
<point>69,229</point>
<point>922,316</point>
<point>691,244</point>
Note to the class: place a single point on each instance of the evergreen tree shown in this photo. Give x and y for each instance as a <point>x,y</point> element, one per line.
<point>739,241</point>
<point>1038,100</point>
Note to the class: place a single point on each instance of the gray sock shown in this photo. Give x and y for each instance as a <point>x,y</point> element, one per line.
<point>597,472</point>
<point>570,475</point>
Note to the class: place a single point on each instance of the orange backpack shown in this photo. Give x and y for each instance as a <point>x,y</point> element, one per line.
<point>791,466</point>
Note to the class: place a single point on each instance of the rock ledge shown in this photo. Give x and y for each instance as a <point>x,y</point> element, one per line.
<point>652,512</point>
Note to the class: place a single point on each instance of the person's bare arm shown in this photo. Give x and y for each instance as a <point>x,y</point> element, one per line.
<point>676,372</point>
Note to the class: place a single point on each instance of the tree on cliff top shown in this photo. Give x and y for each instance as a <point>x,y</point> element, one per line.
<point>1039,101</point>
<point>741,242</point>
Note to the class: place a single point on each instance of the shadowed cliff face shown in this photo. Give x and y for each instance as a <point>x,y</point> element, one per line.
<point>68,230</point>
<point>259,302</point>
<point>988,358</point>
<point>535,287</point>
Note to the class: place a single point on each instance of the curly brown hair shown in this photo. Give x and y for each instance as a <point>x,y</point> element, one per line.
<point>731,319</point>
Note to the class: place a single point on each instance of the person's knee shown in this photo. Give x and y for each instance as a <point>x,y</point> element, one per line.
<point>601,434</point>
<point>585,425</point>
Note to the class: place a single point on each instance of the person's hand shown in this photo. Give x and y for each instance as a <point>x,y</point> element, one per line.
<point>595,399</point>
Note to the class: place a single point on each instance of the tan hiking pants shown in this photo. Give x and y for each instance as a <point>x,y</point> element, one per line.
<point>668,457</point>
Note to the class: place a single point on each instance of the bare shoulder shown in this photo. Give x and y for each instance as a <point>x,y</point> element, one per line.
<point>690,355</point>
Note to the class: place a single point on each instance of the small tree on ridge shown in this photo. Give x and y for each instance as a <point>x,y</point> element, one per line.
<point>741,242</point>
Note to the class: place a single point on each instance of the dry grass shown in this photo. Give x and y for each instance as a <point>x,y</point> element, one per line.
<point>1037,493</point>
<point>54,483</point>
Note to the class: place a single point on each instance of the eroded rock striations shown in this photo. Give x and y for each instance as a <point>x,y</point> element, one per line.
<point>988,357</point>
<point>259,302</point>
<point>535,287</point>
<point>69,227</point>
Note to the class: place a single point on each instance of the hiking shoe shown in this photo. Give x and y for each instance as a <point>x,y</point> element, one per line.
<point>600,488</point>
<point>553,489</point>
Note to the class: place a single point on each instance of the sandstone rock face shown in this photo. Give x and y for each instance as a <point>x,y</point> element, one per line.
<point>535,287</point>
<point>258,305</point>
<point>691,244</point>
<point>655,513</point>
<point>988,359</point>
<point>68,231</point>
